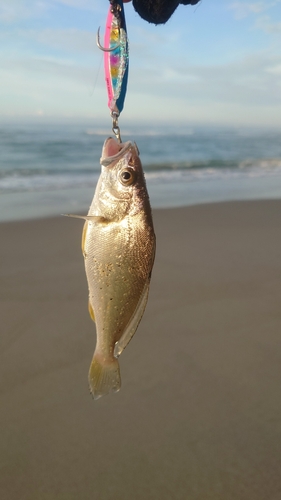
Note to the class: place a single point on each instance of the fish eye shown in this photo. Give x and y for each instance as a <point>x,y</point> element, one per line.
<point>127,176</point>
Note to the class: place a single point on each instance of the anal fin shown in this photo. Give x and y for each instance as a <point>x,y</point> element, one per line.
<point>84,233</point>
<point>91,311</point>
<point>133,323</point>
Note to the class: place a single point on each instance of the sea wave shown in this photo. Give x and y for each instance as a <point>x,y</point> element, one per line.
<point>34,179</point>
<point>28,181</point>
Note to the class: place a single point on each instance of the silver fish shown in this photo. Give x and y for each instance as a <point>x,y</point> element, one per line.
<point>118,244</point>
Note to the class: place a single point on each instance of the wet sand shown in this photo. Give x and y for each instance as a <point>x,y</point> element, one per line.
<point>199,413</point>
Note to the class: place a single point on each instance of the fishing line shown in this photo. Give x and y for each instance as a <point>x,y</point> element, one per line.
<point>96,79</point>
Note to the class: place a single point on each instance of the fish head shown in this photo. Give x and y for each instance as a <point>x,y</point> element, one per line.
<point>122,188</point>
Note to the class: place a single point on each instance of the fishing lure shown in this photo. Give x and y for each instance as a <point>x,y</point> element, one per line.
<point>116,60</point>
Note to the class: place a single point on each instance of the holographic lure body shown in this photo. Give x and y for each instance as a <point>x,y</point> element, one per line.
<point>116,58</point>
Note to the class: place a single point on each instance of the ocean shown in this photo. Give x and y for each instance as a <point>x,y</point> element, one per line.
<point>50,169</point>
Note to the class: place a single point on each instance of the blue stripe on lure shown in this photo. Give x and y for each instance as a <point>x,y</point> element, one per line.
<point>116,58</point>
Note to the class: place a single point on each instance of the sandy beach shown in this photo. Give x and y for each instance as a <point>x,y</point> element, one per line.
<point>199,413</point>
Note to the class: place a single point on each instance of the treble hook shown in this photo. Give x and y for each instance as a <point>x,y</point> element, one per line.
<point>103,48</point>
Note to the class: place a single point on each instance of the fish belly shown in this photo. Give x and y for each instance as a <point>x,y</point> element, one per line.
<point>118,270</point>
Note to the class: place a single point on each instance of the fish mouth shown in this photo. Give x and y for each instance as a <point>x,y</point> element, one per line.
<point>112,151</point>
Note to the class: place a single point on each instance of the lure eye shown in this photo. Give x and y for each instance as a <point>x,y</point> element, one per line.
<point>127,177</point>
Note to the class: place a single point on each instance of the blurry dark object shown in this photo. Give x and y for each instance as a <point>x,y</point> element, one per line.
<point>159,11</point>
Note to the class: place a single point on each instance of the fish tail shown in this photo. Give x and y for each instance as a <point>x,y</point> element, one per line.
<point>104,376</point>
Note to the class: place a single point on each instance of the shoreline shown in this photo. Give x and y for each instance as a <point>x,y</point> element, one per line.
<point>44,204</point>
<point>198,413</point>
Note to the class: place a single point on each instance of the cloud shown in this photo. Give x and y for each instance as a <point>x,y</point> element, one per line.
<point>47,68</point>
<point>275,69</point>
<point>17,10</point>
<point>249,82</point>
<point>50,86</point>
<point>12,11</point>
<point>245,91</point>
<point>245,9</point>
<point>268,26</point>
<point>70,40</point>
<point>79,4</point>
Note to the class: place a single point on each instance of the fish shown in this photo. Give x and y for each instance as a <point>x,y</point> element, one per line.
<point>118,245</point>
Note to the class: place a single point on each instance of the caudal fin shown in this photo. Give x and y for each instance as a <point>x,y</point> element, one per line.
<point>104,377</point>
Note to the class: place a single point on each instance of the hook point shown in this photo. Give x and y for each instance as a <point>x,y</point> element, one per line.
<point>111,49</point>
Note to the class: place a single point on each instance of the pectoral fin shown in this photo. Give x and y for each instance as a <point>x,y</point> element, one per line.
<point>95,218</point>
<point>133,323</point>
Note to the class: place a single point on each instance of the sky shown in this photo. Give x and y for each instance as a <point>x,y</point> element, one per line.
<point>217,63</point>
